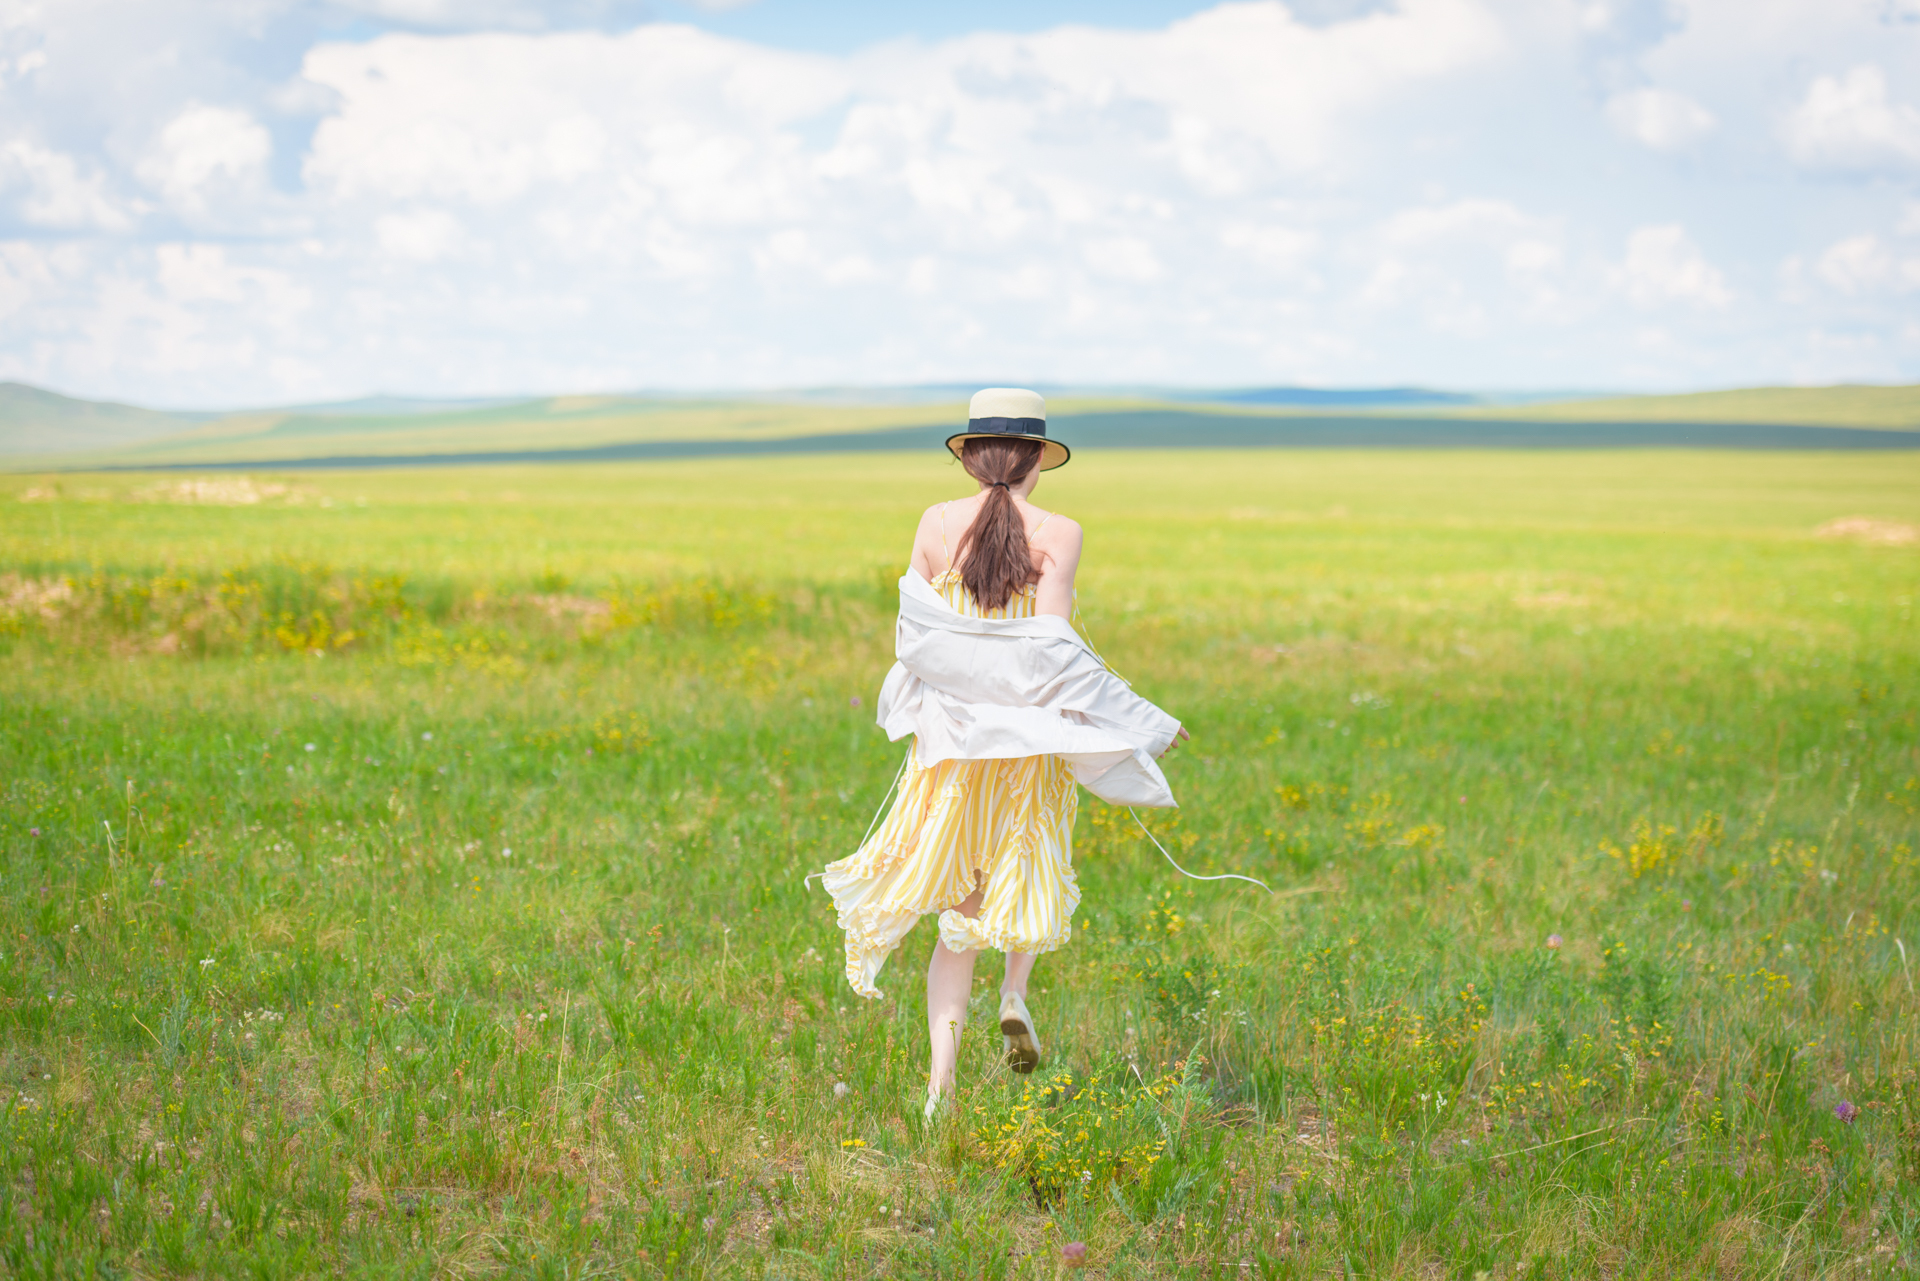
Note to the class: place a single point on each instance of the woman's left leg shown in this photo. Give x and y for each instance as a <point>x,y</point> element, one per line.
<point>949,985</point>
<point>949,988</point>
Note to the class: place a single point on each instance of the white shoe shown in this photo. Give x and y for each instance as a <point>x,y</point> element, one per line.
<point>1020,1042</point>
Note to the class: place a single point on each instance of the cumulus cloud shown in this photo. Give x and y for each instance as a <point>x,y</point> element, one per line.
<point>205,145</point>
<point>1849,121</point>
<point>1663,266</point>
<point>513,15</point>
<point>1463,262</point>
<point>1274,245</point>
<point>1864,264</point>
<point>510,195</point>
<point>1659,118</point>
<point>53,189</point>
<point>419,235</point>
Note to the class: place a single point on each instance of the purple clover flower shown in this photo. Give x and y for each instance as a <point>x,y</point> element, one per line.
<point>1846,1111</point>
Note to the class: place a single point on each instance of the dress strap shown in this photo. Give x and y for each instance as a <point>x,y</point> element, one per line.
<point>943,535</point>
<point>1042,525</point>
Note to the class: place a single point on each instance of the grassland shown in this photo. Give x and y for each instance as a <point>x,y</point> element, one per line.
<point>402,875</point>
<point>549,423</point>
<point>41,430</point>
<point>1843,406</point>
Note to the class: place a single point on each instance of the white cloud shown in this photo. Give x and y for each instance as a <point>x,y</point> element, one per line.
<point>522,195</point>
<point>793,251</point>
<point>1865,265</point>
<point>420,235</point>
<point>1477,221</point>
<point>1659,118</point>
<point>513,15</point>
<point>28,277</point>
<point>1849,122</point>
<point>689,120</point>
<point>1123,258</point>
<point>1466,261</point>
<point>1664,266</point>
<point>56,191</point>
<point>190,274</point>
<point>1275,246</point>
<point>205,144</point>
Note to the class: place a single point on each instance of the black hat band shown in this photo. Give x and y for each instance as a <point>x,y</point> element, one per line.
<point>1009,426</point>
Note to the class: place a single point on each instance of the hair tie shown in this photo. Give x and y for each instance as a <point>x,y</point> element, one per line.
<point>998,484</point>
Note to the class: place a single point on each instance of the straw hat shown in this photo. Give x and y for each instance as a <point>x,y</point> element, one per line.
<point>1001,412</point>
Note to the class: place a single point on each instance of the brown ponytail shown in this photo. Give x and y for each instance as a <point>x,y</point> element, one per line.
<point>995,559</point>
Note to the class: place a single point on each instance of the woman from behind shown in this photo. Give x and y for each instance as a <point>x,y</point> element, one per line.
<point>1009,709</point>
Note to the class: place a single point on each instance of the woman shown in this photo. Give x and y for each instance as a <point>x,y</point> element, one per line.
<point>1009,708</point>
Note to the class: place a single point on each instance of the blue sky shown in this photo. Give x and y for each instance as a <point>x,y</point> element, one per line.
<point>843,28</point>
<point>223,202</point>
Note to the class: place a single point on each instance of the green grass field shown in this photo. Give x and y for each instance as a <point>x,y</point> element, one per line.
<point>1843,406</point>
<point>403,871</point>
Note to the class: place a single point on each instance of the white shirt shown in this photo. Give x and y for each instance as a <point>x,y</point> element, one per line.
<point>996,688</point>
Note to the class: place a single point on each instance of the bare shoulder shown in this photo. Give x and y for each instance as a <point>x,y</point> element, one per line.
<point>1060,524</point>
<point>1058,531</point>
<point>932,519</point>
<point>1059,540</point>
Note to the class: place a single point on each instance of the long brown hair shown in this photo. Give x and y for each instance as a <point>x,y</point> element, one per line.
<point>996,561</point>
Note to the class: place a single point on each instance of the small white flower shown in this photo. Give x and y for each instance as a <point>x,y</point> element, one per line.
<point>506,853</point>
<point>206,962</point>
<point>841,1089</point>
<point>427,737</point>
<point>310,747</point>
<point>74,930</point>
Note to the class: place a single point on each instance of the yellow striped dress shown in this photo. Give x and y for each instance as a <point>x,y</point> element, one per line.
<point>1002,825</point>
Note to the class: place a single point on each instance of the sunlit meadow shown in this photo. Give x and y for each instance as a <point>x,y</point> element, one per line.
<point>402,873</point>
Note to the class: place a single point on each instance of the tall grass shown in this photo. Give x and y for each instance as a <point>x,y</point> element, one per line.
<point>469,934</point>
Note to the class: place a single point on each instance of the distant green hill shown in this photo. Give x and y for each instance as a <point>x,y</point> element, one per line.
<point>561,422</point>
<point>554,423</point>
<point>39,429</point>
<point>1844,406</point>
<point>34,421</point>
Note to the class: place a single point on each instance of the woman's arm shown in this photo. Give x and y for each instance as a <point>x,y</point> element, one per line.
<point>926,544</point>
<point>1057,552</point>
